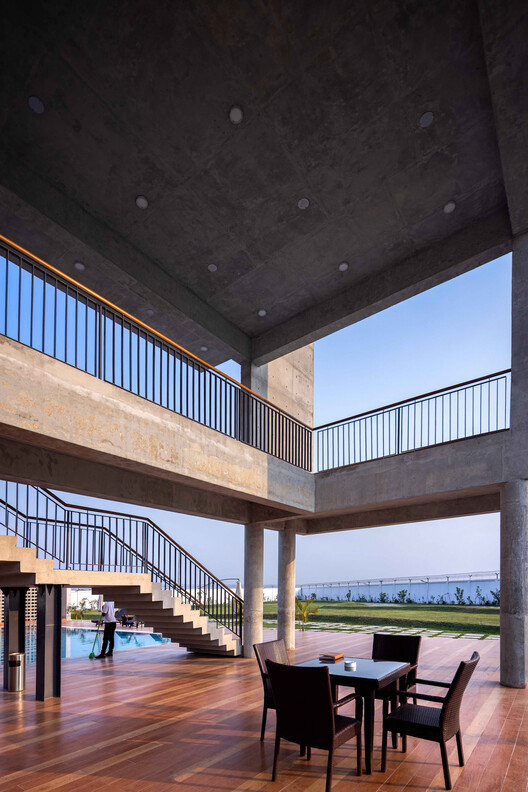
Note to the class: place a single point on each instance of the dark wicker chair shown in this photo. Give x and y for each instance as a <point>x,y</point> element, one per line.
<point>399,649</point>
<point>438,724</point>
<point>271,650</point>
<point>306,713</point>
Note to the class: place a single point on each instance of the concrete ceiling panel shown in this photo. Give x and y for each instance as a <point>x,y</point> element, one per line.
<point>136,102</point>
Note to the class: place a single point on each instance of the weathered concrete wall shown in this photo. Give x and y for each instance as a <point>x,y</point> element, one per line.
<point>69,473</point>
<point>48,404</point>
<point>436,508</point>
<point>286,382</point>
<point>465,467</point>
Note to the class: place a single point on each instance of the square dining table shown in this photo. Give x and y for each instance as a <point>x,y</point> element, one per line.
<point>368,677</point>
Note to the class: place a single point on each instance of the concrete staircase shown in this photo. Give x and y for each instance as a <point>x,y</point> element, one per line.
<point>135,591</point>
<point>177,620</point>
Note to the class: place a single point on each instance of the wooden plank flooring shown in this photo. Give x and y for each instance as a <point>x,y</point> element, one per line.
<point>161,719</point>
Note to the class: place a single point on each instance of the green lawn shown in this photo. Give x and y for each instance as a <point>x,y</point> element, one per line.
<point>88,615</point>
<point>450,618</point>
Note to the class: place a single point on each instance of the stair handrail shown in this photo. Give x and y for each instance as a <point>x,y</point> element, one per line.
<point>155,526</point>
<point>228,612</point>
<point>20,515</point>
<point>218,401</point>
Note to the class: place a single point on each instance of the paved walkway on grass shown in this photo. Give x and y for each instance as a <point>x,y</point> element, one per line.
<point>376,628</point>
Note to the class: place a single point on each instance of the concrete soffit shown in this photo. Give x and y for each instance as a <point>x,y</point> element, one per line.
<point>469,248</point>
<point>75,220</point>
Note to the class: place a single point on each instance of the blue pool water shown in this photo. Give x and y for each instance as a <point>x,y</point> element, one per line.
<point>78,642</point>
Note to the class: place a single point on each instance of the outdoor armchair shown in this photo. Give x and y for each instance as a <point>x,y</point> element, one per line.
<point>399,649</point>
<point>270,650</point>
<point>438,724</point>
<point>307,714</point>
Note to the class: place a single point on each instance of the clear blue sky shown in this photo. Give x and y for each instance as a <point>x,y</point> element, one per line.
<point>455,332</point>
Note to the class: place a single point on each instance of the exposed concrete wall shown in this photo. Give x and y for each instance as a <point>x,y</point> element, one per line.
<point>286,588</point>
<point>514,584</point>
<point>48,404</point>
<point>465,467</point>
<point>253,587</point>
<point>434,509</point>
<point>68,473</point>
<point>286,382</point>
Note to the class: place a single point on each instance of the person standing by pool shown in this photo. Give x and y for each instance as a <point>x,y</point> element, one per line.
<point>109,620</point>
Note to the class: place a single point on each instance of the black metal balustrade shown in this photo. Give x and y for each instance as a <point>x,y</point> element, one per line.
<point>91,539</point>
<point>471,408</point>
<point>47,311</point>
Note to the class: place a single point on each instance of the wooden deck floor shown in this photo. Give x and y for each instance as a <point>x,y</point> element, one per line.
<point>160,719</point>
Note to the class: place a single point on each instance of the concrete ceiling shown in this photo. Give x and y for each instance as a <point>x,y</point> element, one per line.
<point>136,101</point>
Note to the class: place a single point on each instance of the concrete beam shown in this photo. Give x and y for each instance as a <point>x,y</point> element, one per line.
<point>399,515</point>
<point>505,33</point>
<point>132,264</point>
<point>48,404</point>
<point>463,251</point>
<point>463,468</point>
<point>55,470</point>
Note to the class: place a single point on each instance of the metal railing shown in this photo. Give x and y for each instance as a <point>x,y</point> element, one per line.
<point>471,408</point>
<point>92,539</point>
<point>472,587</point>
<point>50,312</point>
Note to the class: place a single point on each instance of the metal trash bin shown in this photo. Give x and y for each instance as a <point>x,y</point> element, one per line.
<point>17,671</point>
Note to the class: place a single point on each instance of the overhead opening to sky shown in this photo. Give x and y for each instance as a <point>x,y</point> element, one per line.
<point>452,333</point>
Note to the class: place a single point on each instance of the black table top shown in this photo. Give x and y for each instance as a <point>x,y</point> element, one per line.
<point>369,673</point>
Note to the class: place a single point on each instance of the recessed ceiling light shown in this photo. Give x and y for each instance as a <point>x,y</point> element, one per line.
<point>141,202</point>
<point>262,312</point>
<point>449,207</point>
<point>149,312</point>
<point>236,115</point>
<point>36,104</point>
<point>212,267</point>
<point>426,119</point>
<point>303,203</point>
<point>79,266</point>
<point>343,266</point>
<point>203,348</point>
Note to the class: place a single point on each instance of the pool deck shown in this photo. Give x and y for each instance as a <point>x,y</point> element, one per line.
<point>162,719</point>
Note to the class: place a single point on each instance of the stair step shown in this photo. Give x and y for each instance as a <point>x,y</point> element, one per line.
<point>156,607</point>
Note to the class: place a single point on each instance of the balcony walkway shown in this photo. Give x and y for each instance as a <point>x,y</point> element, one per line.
<point>159,719</point>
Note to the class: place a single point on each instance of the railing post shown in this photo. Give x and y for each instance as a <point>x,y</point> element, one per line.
<point>68,541</point>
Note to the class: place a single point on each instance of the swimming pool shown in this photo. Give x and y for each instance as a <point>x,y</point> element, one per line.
<point>78,642</point>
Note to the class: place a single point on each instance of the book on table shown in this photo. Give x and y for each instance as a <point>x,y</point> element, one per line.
<point>332,657</point>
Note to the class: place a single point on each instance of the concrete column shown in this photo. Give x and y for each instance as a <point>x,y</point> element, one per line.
<point>519,364</point>
<point>48,672</point>
<point>253,587</point>
<point>514,578</point>
<point>286,598</point>
<point>288,384</point>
